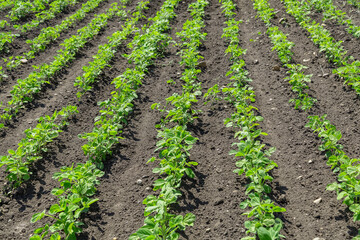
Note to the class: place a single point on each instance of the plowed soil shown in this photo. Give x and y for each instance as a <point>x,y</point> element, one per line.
<point>216,192</point>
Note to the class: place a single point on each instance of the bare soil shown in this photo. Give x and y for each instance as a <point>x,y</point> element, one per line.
<point>216,192</point>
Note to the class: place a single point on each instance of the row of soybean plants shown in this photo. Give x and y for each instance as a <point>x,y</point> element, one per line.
<point>106,52</point>
<point>252,157</point>
<point>348,184</point>
<point>31,147</point>
<point>22,9</point>
<point>55,8</point>
<point>297,78</point>
<point>333,50</point>
<point>25,89</point>
<point>78,183</point>
<point>17,164</point>
<point>50,34</point>
<point>330,11</point>
<point>175,140</point>
<point>355,3</point>
<point>7,4</point>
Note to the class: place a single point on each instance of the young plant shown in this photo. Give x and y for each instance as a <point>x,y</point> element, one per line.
<point>17,162</point>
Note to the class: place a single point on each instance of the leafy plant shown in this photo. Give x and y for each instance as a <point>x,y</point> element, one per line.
<point>348,183</point>
<point>25,89</point>
<point>176,142</point>
<point>331,12</point>
<point>252,160</point>
<point>77,186</point>
<point>298,80</point>
<point>30,148</point>
<point>106,52</point>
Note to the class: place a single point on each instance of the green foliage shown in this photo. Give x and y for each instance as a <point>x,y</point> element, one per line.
<point>333,50</point>
<point>355,3</point>
<point>22,9</point>
<point>25,89</point>
<point>351,74</point>
<point>283,46</point>
<point>108,124</point>
<point>77,186</point>
<point>253,160</point>
<point>50,34</point>
<point>176,142</point>
<point>25,7</point>
<point>55,8</point>
<point>330,11</point>
<point>298,80</point>
<point>30,148</point>
<point>106,52</point>
<point>348,182</point>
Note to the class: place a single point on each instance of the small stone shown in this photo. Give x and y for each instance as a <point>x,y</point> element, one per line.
<point>235,191</point>
<point>218,201</point>
<point>306,60</point>
<point>23,60</point>
<point>115,238</point>
<point>139,182</point>
<point>202,64</point>
<point>310,161</point>
<point>317,238</point>
<point>148,188</point>
<point>256,61</point>
<point>208,230</point>
<point>145,176</point>
<point>317,201</point>
<point>276,68</point>
<point>299,177</point>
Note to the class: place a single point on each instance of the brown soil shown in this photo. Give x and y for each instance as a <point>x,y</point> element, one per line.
<point>214,195</point>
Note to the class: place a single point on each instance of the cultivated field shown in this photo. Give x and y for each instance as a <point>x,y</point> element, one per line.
<point>201,119</point>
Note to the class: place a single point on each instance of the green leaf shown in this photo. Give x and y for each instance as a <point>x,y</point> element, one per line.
<point>35,237</point>
<point>37,216</point>
<point>189,219</point>
<point>264,234</point>
<point>55,209</point>
<point>143,233</point>
<point>189,172</point>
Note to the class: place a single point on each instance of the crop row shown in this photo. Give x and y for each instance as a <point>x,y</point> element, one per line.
<point>252,159</point>
<point>6,4</point>
<point>347,186</point>
<point>355,3</point>
<point>334,51</point>
<point>25,89</point>
<point>56,7</point>
<point>283,46</point>
<point>30,148</point>
<point>176,142</point>
<point>18,174</point>
<point>22,9</point>
<point>106,52</point>
<point>78,183</point>
<point>331,12</point>
<point>50,34</point>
